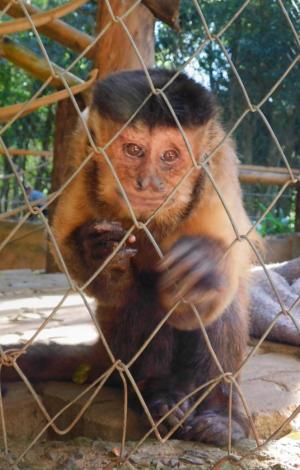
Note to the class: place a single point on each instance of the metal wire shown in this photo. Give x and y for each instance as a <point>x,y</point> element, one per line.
<point>8,358</point>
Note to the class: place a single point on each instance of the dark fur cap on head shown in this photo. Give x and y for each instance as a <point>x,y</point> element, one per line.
<point>119,95</point>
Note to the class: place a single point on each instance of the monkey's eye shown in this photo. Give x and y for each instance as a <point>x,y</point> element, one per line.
<point>169,156</point>
<point>133,150</point>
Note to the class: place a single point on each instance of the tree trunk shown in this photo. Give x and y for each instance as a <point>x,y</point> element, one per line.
<point>297,215</point>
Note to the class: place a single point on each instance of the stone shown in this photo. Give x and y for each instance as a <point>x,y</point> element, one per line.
<point>23,417</point>
<point>271,384</point>
<point>103,418</point>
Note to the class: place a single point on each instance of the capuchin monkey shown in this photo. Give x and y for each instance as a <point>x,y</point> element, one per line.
<point>204,266</point>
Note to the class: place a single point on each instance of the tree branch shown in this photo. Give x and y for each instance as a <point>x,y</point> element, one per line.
<point>61,32</point>
<point>56,29</point>
<point>8,112</point>
<point>39,19</point>
<point>33,64</point>
<point>25,152</point>
<point>268,175</point>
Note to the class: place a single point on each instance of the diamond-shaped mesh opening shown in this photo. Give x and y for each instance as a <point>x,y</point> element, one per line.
<point>220,33</point>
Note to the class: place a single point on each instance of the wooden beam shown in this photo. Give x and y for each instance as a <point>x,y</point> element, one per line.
<point>57,30</point>
<point>33,64</point>
<point>252,174</point>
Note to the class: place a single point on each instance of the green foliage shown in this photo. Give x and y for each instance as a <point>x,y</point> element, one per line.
<point>276,222</point>
<point>261,45</point>
<point>36,130</point>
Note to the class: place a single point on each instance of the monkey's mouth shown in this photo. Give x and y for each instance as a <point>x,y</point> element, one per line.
<point>144,202</point>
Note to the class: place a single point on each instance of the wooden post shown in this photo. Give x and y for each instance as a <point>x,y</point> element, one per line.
<point>65,121</point>
<point>297,215</point>
<point>115,51</point>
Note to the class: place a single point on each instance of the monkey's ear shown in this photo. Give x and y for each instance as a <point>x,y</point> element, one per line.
<point>85,113</point>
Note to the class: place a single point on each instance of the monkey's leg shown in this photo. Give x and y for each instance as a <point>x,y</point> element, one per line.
<point>86,249</point>
<point>193,365</point>
<point>228,336</point>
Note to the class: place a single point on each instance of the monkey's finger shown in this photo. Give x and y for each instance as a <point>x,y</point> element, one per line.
<point>197,296</point>
<point>120,260</point>
<point>128,252</point>
<point>203,297</point>
<point>102,226</point>
<point>190,263</point>
<point>105,226</point>
<point>178,251</point>
<point>203,291</point>
<point>106,237</point>
<point>197,282</point>
<point>109,230</point>
<point>163,429</point>
<point>101,247</point>
<point>179,268</point>
<point>117,234</point>
<point>105,251</point>
<point>201,278</point>
<point>173,420</point>
<point>178,414</point>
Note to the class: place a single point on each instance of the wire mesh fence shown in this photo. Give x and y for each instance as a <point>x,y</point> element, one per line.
<point>9,358</point>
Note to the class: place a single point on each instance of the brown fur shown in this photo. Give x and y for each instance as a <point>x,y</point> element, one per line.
<point>209,218</point>
<point>135,290</point>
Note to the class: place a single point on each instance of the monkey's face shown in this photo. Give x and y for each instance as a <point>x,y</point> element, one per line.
<point>150,163</point>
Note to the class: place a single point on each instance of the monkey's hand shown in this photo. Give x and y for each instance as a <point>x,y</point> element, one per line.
<point>98,240</point>
<point>95,242</point>
<point>192,271</point>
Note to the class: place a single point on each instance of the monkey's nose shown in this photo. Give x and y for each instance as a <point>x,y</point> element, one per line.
<point>158,184</point>
<point>155,183</point>
<point>142,182</point>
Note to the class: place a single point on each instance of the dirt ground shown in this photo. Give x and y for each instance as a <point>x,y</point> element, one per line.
<point>86,454</point>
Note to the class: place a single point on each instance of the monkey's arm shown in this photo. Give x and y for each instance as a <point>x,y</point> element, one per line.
<point>202,263</point>
<point>198,270</point>
<point>85,241</point>
<point>91,244</point>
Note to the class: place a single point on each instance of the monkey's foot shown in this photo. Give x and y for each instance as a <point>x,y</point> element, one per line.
<point>160,406</point>
<point>212,427</point>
